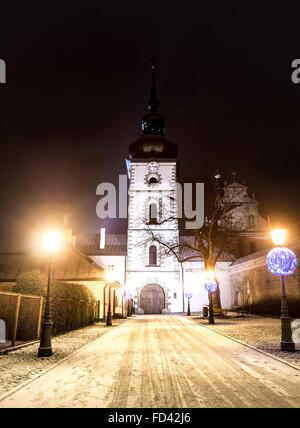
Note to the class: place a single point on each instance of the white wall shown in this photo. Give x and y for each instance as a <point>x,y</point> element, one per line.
<point>141,195</point>
<point>194,282</point>
<point>119,263</point>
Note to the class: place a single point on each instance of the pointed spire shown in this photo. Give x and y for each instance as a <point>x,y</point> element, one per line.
<point>153,122</point>
<point>153,104</point>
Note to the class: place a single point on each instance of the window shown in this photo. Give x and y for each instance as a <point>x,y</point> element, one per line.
<point>153,213</point>
<point>229,221</point>
<point>152,255</point>
<point>153,180</point>
<point>238,298</point>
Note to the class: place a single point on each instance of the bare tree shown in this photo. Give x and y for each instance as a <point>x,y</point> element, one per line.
<point>211,243</point>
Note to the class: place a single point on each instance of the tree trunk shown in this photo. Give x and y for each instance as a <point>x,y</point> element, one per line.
<point>217,302</point>
<point>216,299</point>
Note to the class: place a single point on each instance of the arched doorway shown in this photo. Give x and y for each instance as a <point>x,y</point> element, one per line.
<point>152,299</point>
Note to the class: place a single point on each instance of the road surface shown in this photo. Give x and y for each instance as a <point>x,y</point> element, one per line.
<point>163,361</point>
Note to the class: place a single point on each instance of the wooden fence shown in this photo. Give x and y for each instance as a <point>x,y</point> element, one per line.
<point>22,316</point>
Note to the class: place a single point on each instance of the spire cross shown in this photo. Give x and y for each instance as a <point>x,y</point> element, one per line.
<point>153,104</point>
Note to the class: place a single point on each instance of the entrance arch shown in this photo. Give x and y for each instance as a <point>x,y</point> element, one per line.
<point>152,299</point>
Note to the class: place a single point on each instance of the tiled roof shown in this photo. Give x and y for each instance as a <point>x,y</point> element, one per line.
<point>69,264</point>
<point>293,244</point>
<point>115,244</point>
<point>253,256</point>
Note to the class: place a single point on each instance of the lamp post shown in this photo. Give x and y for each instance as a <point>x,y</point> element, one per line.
<point>109,277</point>
<point>188,296</point>
<point>51,243</point>
<point>211,287</point>
<point>129,297</point>
<point>124,307</point>
<point>282,261</point>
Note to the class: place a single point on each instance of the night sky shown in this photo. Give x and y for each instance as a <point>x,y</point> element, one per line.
<point>78,82</point>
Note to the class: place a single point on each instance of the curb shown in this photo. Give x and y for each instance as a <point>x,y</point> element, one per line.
<point>27,382</point>
<point>248,346</point>
<point>6,351</point>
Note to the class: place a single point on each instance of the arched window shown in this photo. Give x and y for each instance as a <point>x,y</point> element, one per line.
<point>152,255</point>
<point>153,213</point>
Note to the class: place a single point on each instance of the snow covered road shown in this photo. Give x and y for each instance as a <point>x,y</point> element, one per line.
<point>163,361</point>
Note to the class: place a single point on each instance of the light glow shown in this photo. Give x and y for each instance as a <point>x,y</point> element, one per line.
<point>211,275</point>
<point>52,241</point>
<point>110,273</point>
<point>278,236</point>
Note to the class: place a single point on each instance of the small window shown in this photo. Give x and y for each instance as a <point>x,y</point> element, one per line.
<point>153,180</point>
<point>152,255</point>
<point>153,213</point>
<point>175,295</point>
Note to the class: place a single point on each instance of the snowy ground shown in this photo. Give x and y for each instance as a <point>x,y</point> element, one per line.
<point>163,361</point>
<point>23,364</point>
<point>261,332</point>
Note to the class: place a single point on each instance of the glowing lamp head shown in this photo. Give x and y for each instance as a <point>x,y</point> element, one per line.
<point>211,275</point>
<point>110,274</point>
<point>188,295</point>
<point>52,241</point>
<point>278,236</point>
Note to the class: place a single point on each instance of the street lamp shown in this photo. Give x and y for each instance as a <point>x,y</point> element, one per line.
<point>51,242</point>
<point>282,261</point>
<point>129,297</point>
<point>188,296</point>
<point>109,278</point>
<point>211,287</point>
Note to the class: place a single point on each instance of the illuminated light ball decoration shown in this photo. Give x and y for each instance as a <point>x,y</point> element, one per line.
<point>188,295</point>
<point>211,286</point>
<point>281,261</point>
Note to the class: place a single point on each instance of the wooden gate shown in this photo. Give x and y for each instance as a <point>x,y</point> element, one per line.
<point>152,299</point>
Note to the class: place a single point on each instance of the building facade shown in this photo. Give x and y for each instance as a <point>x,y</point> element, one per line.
<point>154,279</point>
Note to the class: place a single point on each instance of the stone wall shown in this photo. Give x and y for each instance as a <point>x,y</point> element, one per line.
<point>254,286</point>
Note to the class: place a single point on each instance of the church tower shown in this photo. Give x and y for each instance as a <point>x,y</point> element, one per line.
<point>153,275</point>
